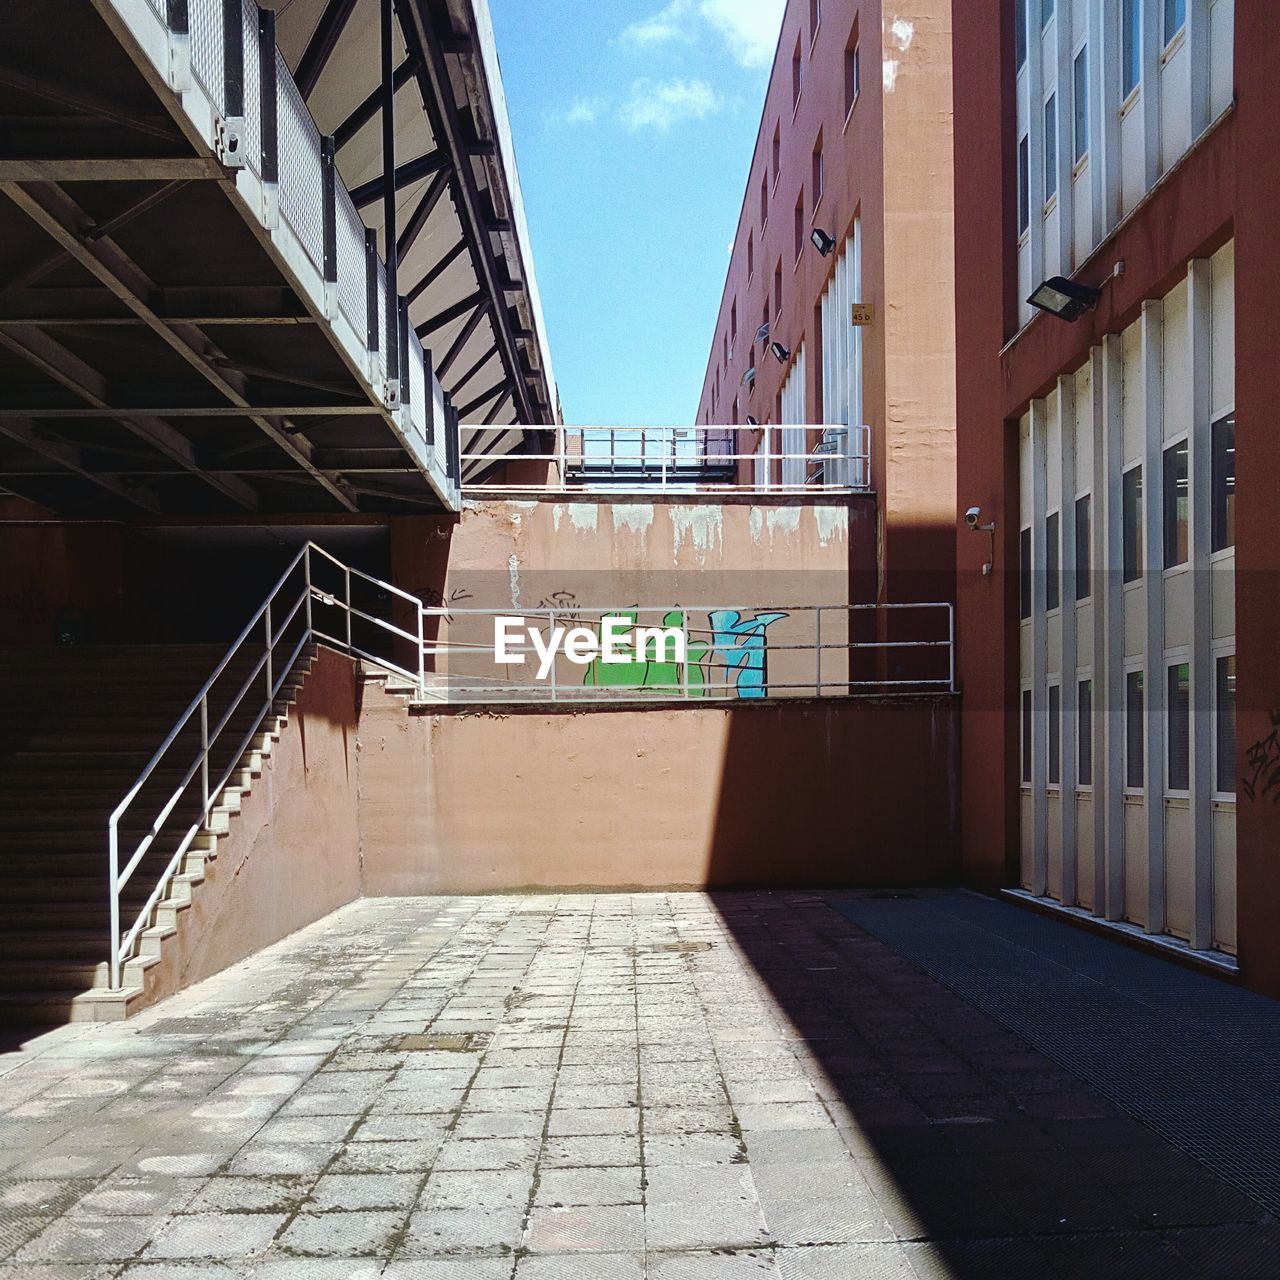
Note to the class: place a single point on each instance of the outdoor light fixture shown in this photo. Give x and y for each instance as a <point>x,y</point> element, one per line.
<point>752,422</point>
<point>762,333</point>
<point>973,518</point>
<point>1064,298</point>
<point>780,353</point>
<point>824,244</point>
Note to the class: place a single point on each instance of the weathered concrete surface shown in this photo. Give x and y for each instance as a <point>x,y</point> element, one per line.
<point>841,792</point>
<point>291,854</point>
<point>666,1087</point>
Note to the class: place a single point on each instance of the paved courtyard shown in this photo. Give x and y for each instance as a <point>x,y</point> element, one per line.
<point>598,1087</point>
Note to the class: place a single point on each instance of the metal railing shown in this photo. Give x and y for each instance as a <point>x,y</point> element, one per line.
<point>731,652</point>
<point>261,124</point>
<point>172,798</point>
<point>762,459</point>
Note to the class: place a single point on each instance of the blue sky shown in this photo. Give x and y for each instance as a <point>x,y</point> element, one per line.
<point>634,124</point>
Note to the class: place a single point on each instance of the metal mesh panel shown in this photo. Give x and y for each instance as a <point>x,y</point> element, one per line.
<point>207,49</point>
<point>352,276</point>
<point>382,318</point>
<point>252,89</point>
<point>440,458</point>
<point>417,374</point>
<point>301,171</point>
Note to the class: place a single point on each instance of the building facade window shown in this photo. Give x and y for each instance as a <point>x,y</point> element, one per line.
<point>1130,46</point>
<point>1224,483</point>
<point>1134,731</point>
<point>733,327</point>
<point>815,19</point>
<point>764,201</point>
<point>1052,562</point>
<point>751,255</point>
<point>777,153</point>
<point>1024,574</point>
<point>1131,502</point>
<point>1084,532</point>
<point>1026,735</point>
<point>816,168</point>
<point>1080,104</point>
<point>1084,733</point>
<point>1055,735</point>
<point>1225,724</point>
<point>797,76</point>
<point>799,225</point>
<point>1051,148</point>
<point>1024,185</point>
<point>1020,33</point>
<point>1177,506</point>
<point>1175,18</point>
<point>1178,728</point>
<point>852,75</point>
<point>777,289</point>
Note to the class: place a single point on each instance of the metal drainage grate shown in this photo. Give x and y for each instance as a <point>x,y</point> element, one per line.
<point>681,946</point>
<point>446,1042</point>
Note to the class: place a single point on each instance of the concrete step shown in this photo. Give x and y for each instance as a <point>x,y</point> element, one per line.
<point>42,1008</point>
<point>74,975</point>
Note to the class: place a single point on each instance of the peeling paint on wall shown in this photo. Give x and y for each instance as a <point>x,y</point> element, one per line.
<point>784,521</point>
<point>702,525</point>
<point>833,522</point>
<point>513,567</point>
<point>637,517</point>
<point>584,516</point>
<point>902,33</point>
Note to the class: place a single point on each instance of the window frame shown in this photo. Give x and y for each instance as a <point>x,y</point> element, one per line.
<point>1131,51</point>
<point>1176,508</point>
<point>1027,753</point>
<point>1079,106</point>
<point>1024,187</point>
<point>1084,732</point>
<point>1052,562</point>
<point>1217,466</point>
<point>1050,150</point>
<point>1053,736</point>
<point>1130,787</point>
<point>1169,37</point>
<point>1177,662</point>
<point>1220,793</point>
<point>1132,570</point>
<point>1026,576</point>
<point>1084,548</point>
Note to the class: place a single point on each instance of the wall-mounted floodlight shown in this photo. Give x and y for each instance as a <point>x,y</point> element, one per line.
<point>752,422</point>
<point>780,353</point>
<point>824,244</point>
<point>1064,298</point>
<point>973,518</point>
<point>749,377</point>
<point>762,333</point>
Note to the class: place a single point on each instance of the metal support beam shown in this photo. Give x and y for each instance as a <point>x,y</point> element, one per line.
<point>482,399</point>
<point>456,311</point>
<point>475,368</point>
<point>460,342</point>
<point>71,457</point>
<point>125,169</point>
<point>59,217</point>
<point>421,215</point>
<point>78,100</point>
<point>437,271</point>
<point>324,39</point>
<point>411,171</point>
<point>371,105</point>
<point>390,178</point>
<point>74,375</point>
<point>496,408</point>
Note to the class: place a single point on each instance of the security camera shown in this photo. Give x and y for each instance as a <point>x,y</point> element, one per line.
<point>973,516</point>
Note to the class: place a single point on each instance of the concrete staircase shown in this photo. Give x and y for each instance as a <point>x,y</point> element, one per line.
<point>77,727</point>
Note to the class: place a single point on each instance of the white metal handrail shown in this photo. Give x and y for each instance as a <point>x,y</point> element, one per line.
<point>823,620</point>
<point>702,459</point>
<point>257,643</point>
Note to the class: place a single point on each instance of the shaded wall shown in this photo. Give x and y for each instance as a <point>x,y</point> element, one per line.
<point>293,852</point>
<point>847,792</point>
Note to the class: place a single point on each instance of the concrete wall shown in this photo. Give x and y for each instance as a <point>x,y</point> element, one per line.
<point>855,792</point>
<point>293,852</point>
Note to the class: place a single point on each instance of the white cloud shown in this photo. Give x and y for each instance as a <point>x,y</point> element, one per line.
<point>583,111</point>
<point>661,104</point>
<point>748,27</point>
<point>671,23</point>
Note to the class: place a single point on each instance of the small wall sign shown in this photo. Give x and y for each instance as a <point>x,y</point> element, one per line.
<point>864,313</point>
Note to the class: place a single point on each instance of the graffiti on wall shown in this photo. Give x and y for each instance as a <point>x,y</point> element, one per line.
<point>434,598</point>
<point>1263,758</point>
<point>738,648</point>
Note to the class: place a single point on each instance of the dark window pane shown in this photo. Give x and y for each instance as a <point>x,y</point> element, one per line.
<point>1026,735</point>
<point>1177,505</point>
<point>1020,31</point>
<point>1024,574</point>
<point>1084,734</point>
<point>1132,502</point>
<point>1055,734</point>
<point>1226,725</point>
<point>1178,727</point>
<point>1175,16</point>
<point>1135,735</point>
<point>1046,11</point>
<point>1080,92</point>
<point>1024,186</point>
<point>1052,563</point>
<point>1130,46</point>
<point>1084,584</point>
<point>1224,483</point>
<point>1051,147</point>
